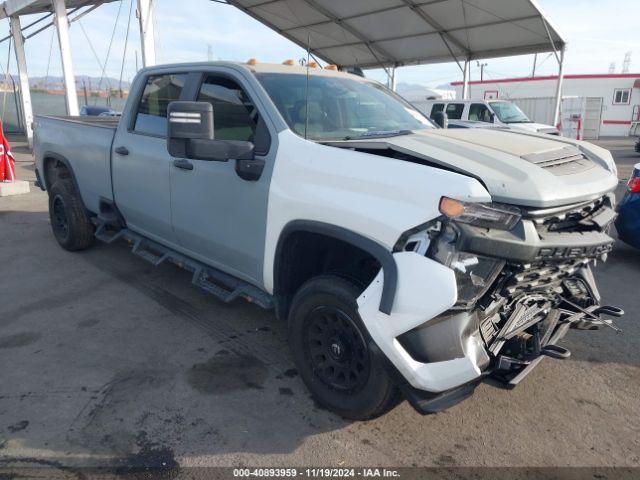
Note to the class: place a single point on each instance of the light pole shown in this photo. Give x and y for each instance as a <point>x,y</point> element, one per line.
<point>481,66</point>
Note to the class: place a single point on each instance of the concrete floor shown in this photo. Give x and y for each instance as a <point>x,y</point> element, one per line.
<point>106,360</point>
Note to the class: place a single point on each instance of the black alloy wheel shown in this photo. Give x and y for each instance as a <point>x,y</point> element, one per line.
<point>336,350</point>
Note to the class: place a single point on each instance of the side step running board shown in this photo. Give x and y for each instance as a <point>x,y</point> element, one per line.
<point>224,286</point>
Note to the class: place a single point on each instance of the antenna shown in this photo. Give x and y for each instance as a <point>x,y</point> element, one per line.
<point>306,102</point>
<point>627,62</point>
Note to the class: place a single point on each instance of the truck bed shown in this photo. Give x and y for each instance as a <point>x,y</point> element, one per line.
<point>109,122</point>
<point>85,143</point>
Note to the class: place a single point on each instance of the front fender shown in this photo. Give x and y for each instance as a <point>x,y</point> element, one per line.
<point>425,289</point>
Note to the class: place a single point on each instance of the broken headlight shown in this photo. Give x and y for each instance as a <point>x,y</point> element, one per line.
<point>474,273</point>
<point>486,215</point>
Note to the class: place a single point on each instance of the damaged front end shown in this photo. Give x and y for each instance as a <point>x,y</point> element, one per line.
<point>523,279</point>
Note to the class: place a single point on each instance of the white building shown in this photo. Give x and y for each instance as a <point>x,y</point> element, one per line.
<point>613,100</point>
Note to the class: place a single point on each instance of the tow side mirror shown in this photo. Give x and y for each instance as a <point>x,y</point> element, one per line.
<point>441,119</point>
<point>492,118</point>
<point>191,135</point>
<point>188,121</point>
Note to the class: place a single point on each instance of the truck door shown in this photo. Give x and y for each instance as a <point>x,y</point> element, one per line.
<point>219,218</point>
<point>141,165</point>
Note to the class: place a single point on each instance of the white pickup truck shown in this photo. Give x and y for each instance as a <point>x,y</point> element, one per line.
<point>405,258</point>
<point>499,113</point>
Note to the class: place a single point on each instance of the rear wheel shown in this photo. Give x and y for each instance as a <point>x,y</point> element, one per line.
<point>70,223</point>
<point>337,359</point>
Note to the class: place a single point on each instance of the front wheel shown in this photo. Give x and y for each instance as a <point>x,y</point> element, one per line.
<point>337,359</point>
<point>70,223</point>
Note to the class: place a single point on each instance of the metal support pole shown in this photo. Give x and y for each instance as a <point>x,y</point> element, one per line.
<point>465,81</point>
<point>556,116</point>
<point>62,27</point>
<point>147,36</point>
<point>393,79</point>
<point>25,92</point>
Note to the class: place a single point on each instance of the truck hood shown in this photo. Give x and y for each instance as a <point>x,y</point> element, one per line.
<point>533,170</point>
<point>533,127</point>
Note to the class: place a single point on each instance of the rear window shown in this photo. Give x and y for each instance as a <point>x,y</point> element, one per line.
<point>454,110</point>
<point>159,92</point>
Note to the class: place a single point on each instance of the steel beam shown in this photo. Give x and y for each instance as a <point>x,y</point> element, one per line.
<point>393,78</point>
<point>62,27</point>
<point>556,115</point>
<point>25,91</point>
<point>147,32</point>
<point>465,81</point>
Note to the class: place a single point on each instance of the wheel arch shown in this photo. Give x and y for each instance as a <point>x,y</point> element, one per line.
<point>348,237</point>
<point>49,158</point>
<point>54,161</point>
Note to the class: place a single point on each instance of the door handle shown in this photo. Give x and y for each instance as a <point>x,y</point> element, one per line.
<point>183,164</point>
<point>124,151</point>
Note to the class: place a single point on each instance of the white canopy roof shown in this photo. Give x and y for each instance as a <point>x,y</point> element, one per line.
<point>374,33</point>
<point>9,8</point>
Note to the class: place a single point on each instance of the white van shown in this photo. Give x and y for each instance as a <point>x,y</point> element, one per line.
<point>500,112</point>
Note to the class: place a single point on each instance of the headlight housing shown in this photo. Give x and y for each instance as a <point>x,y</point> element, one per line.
<point>475,274</point>
<point>485,215</point>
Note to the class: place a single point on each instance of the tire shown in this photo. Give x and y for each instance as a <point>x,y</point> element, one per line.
<point>70,223</point>
<point>337,359</point>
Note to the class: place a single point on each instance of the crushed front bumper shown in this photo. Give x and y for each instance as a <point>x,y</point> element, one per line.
<point>443,345</point>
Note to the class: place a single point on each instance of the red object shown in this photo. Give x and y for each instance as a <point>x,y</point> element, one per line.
<point>7,162</point>
<point>634,184</point>
<point>616,122</point>
<point>551,77</point>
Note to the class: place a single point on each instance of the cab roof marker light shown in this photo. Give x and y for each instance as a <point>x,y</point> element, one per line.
<point>289,63</point>
<point>331,67</point>
<point>252,61</point>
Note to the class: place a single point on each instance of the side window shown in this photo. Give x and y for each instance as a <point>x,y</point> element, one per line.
<point>622,96</point>
<point>234,115</point>
<point>454,110</point>
<point>437,108</point>
<point>479,112</point>
<point>158,93</point>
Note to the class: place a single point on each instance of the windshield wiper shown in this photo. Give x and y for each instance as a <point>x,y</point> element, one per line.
<point>379,134</point>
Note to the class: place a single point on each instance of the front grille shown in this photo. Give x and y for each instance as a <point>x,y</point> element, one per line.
<point>525,295</point>
<point>546,277</point>
<point>574,218</point>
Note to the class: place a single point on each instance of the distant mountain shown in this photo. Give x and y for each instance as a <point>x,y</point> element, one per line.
<point>92,83</point>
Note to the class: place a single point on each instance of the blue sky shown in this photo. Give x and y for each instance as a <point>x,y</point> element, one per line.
<point>599,32</point>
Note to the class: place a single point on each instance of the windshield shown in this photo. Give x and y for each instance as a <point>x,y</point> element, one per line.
<point>340,108</point>
<point>509,113</point>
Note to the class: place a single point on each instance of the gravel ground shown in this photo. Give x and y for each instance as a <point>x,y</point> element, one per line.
<point>109,361</point>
